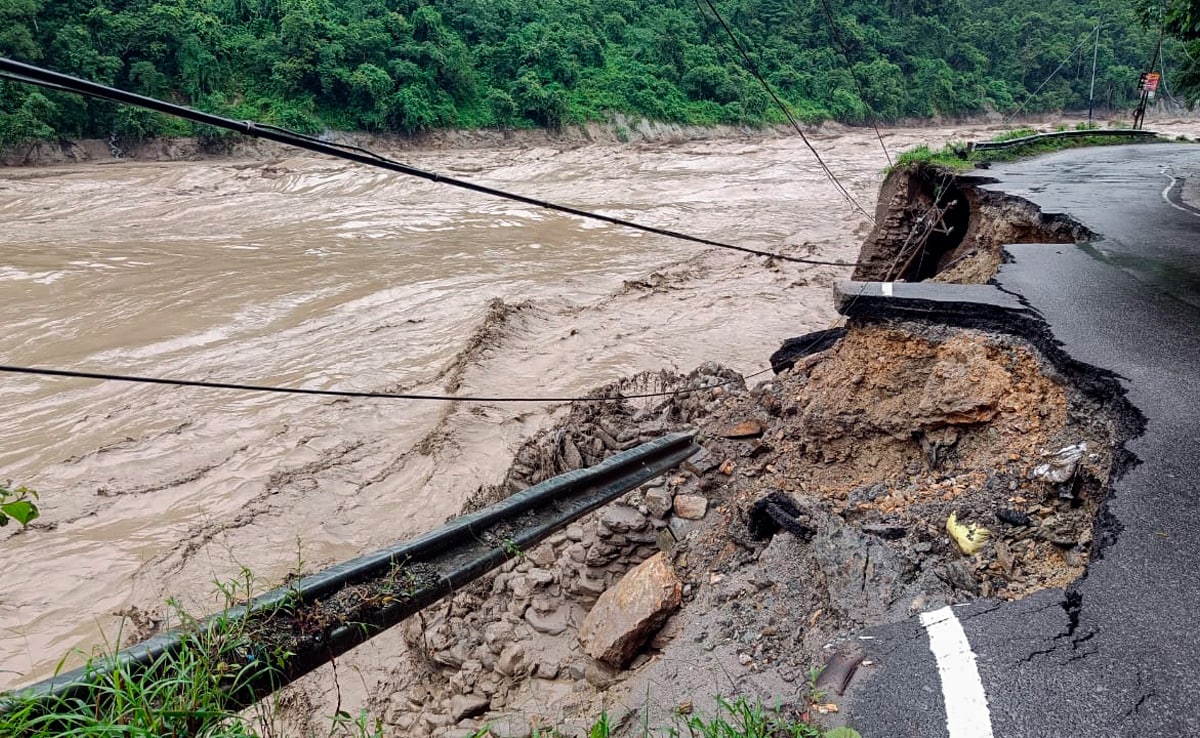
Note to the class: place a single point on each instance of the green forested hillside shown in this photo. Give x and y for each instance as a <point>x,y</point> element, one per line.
<point>410,65</point>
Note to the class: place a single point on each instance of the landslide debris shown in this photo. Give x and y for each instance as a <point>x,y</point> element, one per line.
<point>819,506</point>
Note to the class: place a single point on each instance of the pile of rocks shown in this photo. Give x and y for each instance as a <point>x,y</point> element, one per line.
<point>555,624</point>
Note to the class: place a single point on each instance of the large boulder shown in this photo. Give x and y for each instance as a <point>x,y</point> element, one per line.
<point>628,613</point>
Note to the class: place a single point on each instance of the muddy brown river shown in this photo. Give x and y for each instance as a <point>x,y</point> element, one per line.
<point>310,272</point>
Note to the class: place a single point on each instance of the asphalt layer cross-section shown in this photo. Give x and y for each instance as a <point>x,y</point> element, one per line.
<point>1121,656</point>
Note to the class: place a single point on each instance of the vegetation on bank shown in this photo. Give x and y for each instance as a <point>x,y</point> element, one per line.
<point>185,692</point>
<point>412,65</point>
<point>957,155</point>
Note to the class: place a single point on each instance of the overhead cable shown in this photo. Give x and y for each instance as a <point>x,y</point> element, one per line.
<point>752,68</point>
<point>20,72</point>
<point>862,93</point>
<point>1052,74</point>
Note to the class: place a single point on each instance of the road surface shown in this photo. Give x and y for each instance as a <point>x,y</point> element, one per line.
<point>1119,655</point>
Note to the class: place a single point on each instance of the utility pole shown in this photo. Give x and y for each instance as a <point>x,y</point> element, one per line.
<point>1092,89</point>
<point>1140,114</point>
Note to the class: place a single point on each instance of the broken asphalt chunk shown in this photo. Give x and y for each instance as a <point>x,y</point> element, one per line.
<point>801,346</point>
<point>838,671</point>
<point>888,531</point>
<point>775,511</point>
<point>1012,516</point>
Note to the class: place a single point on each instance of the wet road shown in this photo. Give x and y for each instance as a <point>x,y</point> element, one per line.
<point>1117,654</point>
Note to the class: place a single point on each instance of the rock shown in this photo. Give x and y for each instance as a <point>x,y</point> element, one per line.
<point>601,554</point>
<point>543,556</point>
<point>626,615</point>
<point>497,634</point>
<point>659,501</point>
<point>1062,465</point>
<point>622,519</point>
<point>744,429</point>
<point>452,657</point>
<point>463,706</point>
<point>512,660</point>
<point>521,587</point>
<point>600,675</point>
<point>962,389</point>
<point>701,463</point>
<point>550,623</point>
<point>545,670</point>
<point>576,670</point>
<point>690,507</point>
<point>591,585</point>
<point>511,725</point>
<point>540,577</point>
<point>575,532</point>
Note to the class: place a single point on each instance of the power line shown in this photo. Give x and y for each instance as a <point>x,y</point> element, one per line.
<point>361,394</point>
<point>752,68</point>
<point>30,74</point>
<point>239,387</point>
<point>1052,74</point>
<point>862,93</point>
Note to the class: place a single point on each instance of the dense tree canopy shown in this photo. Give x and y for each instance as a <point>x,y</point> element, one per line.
<point>412,65</point>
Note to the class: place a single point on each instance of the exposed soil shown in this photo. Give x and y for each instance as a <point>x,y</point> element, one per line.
<point>937,225</point>
<point>870,445</point>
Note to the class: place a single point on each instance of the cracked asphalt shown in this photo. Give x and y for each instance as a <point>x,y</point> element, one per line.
<point>1119,654</point>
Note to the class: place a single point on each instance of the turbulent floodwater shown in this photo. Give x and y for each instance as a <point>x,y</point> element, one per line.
<point>310,272</point>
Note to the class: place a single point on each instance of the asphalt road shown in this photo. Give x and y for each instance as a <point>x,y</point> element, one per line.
<point>1120,654</point>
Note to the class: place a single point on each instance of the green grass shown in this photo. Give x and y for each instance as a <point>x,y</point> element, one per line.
<point>955,155</point>
<point>184,692</point>
<point>737,718</point>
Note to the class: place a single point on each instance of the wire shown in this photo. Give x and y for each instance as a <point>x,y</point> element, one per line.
<point>20,72</point>
<point>1056,71</point>
<point>138,379</point>
<point>241,387</point>
<point>752,68</point>
<point>862,93</point>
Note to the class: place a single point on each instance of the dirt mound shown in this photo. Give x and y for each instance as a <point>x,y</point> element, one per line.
<point>825,500</point>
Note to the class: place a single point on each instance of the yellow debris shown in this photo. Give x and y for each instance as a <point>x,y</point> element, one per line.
<point>969,538</point>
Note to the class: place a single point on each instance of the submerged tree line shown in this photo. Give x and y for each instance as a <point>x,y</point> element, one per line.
<point>413,65</point>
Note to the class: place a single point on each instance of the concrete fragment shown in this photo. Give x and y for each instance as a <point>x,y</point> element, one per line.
<point>690,507</point>
<point>627,614</point>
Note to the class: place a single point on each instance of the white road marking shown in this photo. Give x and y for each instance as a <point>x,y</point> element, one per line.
<point>887,289</point>
<point>1166,193</point>
<point>967,713</point>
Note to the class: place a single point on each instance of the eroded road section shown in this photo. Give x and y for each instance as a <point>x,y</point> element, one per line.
<point>1115,653</point>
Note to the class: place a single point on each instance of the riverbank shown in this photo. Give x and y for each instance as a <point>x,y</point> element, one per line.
<point>620,129</point>
<point>157,489</point>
